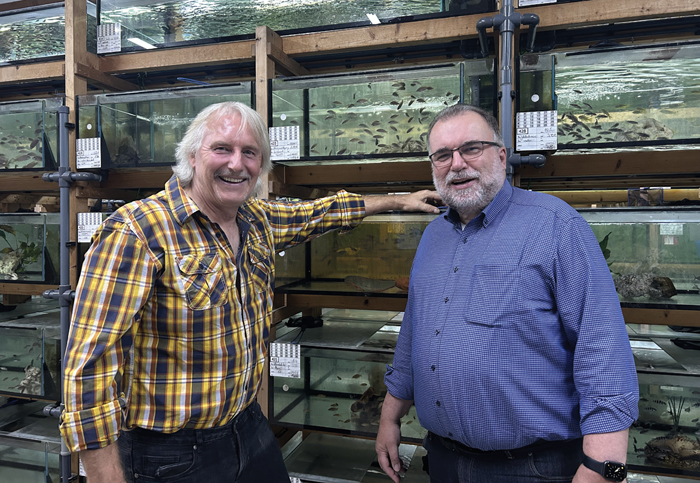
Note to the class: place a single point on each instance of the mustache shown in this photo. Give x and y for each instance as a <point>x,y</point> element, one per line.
<point>465,173</point>
<point>229,174</point>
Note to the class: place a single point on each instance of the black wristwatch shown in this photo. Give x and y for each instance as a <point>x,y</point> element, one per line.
<point>610,470</point>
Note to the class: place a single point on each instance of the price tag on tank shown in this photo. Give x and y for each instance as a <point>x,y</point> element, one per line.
<point>284,143</point>
<point>536,131</point>
<point>285,360</point>
<point>88,153</point>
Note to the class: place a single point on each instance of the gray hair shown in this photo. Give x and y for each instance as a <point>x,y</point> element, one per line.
<point>459,109</point>
<point>194,136</point>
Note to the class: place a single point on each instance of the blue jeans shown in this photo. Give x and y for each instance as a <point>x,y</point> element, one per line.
<point>243,451</point>
<point>450,465</point>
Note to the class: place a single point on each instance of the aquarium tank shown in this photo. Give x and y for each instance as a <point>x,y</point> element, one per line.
<point>143,128</point>
<point>29,134</point>
<point>341,384</point>
<point>653,253</point>
<point>617,98</point>
<point>29,245</point>
<point>163,23</point>
<point>375,114</point>
<point>37,33</point>
<point>374,257</point>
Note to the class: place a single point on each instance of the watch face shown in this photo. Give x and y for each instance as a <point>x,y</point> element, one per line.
<point>615,471</point>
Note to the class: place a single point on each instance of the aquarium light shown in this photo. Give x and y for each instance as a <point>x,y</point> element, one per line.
<point>373,19</point>
<point>141,43</point>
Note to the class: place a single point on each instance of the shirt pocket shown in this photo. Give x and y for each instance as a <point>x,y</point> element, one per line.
<point>260,257</point>
<point>202,280</point>
<point>496,297</point>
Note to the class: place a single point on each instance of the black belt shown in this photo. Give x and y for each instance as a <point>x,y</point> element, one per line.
<point>540,445</point>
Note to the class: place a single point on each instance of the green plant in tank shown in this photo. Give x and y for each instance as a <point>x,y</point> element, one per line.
<point>16,257</point>
<point>604,248</point>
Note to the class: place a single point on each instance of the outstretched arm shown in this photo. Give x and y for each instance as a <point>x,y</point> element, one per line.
<point>424,200</point>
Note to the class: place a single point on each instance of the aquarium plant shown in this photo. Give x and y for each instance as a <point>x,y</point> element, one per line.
<point>16,256</point>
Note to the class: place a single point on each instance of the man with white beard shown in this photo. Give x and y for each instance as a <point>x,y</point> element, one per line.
<point>513,346</point>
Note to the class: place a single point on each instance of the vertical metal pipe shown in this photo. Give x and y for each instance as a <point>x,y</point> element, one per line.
<point>64,302</point>
<point>506,78</point>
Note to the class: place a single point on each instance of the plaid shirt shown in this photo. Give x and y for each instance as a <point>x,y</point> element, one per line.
<point>164,318</point>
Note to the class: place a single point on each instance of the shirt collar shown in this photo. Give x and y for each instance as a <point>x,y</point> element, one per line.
<point>490,212</point>
<point>180,203</point>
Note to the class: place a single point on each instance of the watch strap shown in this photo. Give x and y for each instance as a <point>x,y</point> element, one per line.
<point>591,464</point>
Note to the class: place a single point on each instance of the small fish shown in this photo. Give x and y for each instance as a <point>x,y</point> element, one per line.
<point>420,99</point>
<point>346,120</point>
<point>400,104</point>
<point>355,376</point>
<point>424,88</point>
<point>576,106</point>
<point>363,384</point>
<point>694,420</point>
<point>643,135</point>
<point>338,133</point>
<point>398,84</point>
<point>331,111</point>
<point>354,140</point>
<point>368,131</point>
<point>578,91</point>
<point>632,122</point>
<point>362,101</point>
<point>394,103</point>
<point>331,409</point>
<point>377,136</point>
<point>342,151</point>
<point>376,123</point>
<point>381,130</point>
<point>337,415</point>
<point>293,123</point>
<point>409,422</point>
<point>337,103</point>
<point>393,122</point>
<point>346,421</point>
<point>620,106</point>
<point>364,125</point>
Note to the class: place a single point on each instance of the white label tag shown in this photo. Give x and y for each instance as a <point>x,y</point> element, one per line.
<point>285,360</point>
<point>88,153</point>
<point>536,131</point>
<point>529,3</point>
<point>88,223</point>
<point>671,229</point>
<point>284,142</point>
<point>109,38</point>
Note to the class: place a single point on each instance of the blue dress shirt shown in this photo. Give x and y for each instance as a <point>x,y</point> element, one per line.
<point>513,330</point>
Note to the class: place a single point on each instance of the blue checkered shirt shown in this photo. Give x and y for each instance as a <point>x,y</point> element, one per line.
<point>513,330</point>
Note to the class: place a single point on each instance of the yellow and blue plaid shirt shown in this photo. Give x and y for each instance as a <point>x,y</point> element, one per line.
<point>165,319</point>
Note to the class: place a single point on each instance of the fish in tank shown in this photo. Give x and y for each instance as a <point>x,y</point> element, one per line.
<point>619,97</point>
<point>143,128</point>
<point>29,134</point>
<point>29,245</point>
<point>380,113</point>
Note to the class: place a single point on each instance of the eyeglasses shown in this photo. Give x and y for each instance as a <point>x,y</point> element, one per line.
<point>469,150</point>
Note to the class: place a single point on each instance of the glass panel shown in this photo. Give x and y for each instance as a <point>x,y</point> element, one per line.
<point>374,257</point>
<point>29,247</point>
<point>143,128</point>
<point>37,33</point>
<point>378,113</point>
<point>620,98</point>
<point>342,378</point>
<point>653,254</point>
<point>29,134</point>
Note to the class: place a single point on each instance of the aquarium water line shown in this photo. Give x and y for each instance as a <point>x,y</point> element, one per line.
<point>505,22</point>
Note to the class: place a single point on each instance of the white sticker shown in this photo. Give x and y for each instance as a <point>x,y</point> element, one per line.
<point>284,142</point>
<point>671,229</point>
<point>88,223</point>
<point>109,38</point>
<point>529,3</point>
<point>285,360</point>
<point>536,131</point>
<point>88,153</point>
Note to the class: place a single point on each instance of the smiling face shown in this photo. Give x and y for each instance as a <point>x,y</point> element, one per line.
<point>226,168</point>
<point>467,186</point>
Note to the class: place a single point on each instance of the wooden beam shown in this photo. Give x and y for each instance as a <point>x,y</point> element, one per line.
<point>607,183</point>
<point>685,318</point>
<point>17,182</point>
<point>104,80</point>
<point>24,288</point>
<point>616,164</point>
<point>347,302</point>
<point>180,58</point>
<point>353,174</point>
<point>6,7</point>
<point>45,71</point>
<point>154,178</point>
<point>618,196</point>
<point>284,63</point>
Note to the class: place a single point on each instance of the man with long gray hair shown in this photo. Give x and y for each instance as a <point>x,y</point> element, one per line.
<point>173,310</point>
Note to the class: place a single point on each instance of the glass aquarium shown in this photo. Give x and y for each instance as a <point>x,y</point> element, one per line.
<point>39,32</point>
<point>375,257</point>
<point>664,440</point>
<point>653,254</point>
<point>162,23</point>
<point>29,134</point>
<point>30,361</point>
<point>376,114</point>
<point>30,443</point>
<point>29,247</point>
<point>143,128</point>
<point>617,98</point>
<point>341,387</point>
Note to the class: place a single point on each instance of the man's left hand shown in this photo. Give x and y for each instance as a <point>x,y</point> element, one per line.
<point>424,200</point>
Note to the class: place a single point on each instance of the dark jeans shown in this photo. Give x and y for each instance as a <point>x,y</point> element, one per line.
<point>243,451</point>
<point>449,463</point>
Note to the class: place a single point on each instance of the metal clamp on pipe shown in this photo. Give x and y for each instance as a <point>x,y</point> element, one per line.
<point>64,294</point>
<point>53,410</point>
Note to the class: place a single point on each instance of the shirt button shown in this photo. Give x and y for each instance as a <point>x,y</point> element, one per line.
<point>456,269</point>
<point>432,367</point>
<point>438,403</point>
<point>447,299</point>
<point>464,241</point>
<point>437,331</point>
